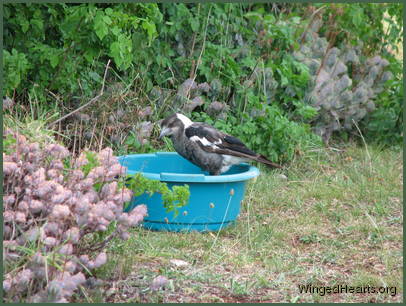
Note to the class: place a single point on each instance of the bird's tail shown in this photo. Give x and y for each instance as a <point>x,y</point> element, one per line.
<point>264,160</point>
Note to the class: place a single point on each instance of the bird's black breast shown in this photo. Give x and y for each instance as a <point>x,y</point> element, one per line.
<point>193,152</point>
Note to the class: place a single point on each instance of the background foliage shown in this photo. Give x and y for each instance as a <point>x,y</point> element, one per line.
<point>185,57</point>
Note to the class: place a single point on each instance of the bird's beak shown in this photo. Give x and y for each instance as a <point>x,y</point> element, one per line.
<point>164,132</point>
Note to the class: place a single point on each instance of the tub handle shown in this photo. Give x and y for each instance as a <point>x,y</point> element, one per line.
<point>182,177</point>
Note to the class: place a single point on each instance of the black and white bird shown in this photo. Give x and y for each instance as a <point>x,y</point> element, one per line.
<point>207,147</point>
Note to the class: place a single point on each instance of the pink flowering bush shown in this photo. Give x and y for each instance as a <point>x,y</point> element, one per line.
<point>59,213</point>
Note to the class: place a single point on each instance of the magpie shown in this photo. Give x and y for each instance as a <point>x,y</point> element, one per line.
<point>207,147</point>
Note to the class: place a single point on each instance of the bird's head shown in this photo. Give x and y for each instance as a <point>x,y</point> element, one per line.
<point>174,124</point>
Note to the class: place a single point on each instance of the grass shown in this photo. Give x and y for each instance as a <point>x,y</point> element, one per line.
<point>336,219</point>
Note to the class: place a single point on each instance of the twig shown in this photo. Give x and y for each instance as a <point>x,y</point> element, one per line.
<point>194,37</point>
<point>313,15</point>
<point>101,137</point>
<point>100,245</point>
<point>365,144</point>
<point>91,139</point>
<point>248,215</point>
<point>329,47</point>
<point>74,138</point>
<point>201,52</point>
<point>173,75</point>
<point>80,133</point>
<point>193,44</point>
<point>88,103</point>
<point>192,70</point>
<point>222,223</point>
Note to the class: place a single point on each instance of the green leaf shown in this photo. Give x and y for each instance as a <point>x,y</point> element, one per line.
<point>194,24</point>
<point>109,11</point>
<point>173,198</point>
<point>151,30</point>
<point>90,54</point>
<point>54,59</point>
<point>25,25</point>
<point>100,27</point>
<point>357,13</point>
<point>93,162</point>
<point>16,67</point>
<point>121,51</point>
<point>115,53</point>
<point>38,24</point>
<point>95,76</point>
<point>254,15</point>
<point>107,20</point>
<point>115,30</point>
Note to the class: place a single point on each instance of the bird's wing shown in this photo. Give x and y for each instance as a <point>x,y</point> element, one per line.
<point>213,141</point>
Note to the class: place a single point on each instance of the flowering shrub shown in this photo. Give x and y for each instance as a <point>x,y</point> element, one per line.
<point>345,86</point>
<point>53,205</point>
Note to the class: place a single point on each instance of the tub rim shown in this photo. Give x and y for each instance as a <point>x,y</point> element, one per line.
<point>189,178</point>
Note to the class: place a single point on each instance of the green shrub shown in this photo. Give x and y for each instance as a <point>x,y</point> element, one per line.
<point>246,53</point>
<point>172,199</point>
<point>385,124</point>
<point>65,47</point>
<point>16,67</point>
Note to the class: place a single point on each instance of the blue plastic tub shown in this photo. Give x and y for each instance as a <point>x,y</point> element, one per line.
<point>214,201</point>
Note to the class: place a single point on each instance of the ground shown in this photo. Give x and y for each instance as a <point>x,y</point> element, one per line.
<point>335,216</point>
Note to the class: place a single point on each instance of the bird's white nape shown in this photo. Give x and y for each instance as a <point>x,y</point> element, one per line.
<point>185,120</point>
